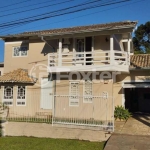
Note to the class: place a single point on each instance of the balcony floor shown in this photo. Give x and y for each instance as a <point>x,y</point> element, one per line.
<point>91,68</point>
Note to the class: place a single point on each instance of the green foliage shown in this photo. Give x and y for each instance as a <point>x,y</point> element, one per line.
<point>2,107</point>
<point>121,113</point>
<point>1,134</point>
<point>141,41</point>
<point>1,131</point>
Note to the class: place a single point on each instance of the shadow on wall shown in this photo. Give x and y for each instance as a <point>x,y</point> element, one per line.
<point>25,44</point>
<point>50,47</point>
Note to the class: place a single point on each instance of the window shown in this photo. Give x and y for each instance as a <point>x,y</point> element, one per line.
<point>19,51</point>
<point>8,95</point>
<point>87,95</point>
<point>74,94</point>
<point>80,47</point>
<point>21,96</point>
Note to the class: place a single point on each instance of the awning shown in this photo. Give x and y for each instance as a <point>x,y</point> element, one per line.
<point>136,85</point>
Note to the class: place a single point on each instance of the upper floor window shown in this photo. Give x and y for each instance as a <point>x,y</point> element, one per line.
<point>19,51</point>
<point>80,45</point>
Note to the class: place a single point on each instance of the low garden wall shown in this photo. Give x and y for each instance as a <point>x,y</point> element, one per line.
<point>49,131</point>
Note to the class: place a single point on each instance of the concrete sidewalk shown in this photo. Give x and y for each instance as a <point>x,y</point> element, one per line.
<point>128,142</point>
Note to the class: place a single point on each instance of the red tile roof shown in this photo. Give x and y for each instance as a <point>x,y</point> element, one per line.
<point>88,28</point>
<point>17,76</point>
<point>140,61</point>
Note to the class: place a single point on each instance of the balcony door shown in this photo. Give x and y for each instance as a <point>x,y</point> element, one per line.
<point>84,45</point>
<point>80,44</point>
<point>80,47</point>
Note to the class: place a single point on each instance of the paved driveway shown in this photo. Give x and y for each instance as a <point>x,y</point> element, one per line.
<point>137,125</point>
<point>128,142</point>
<point>131,135</point>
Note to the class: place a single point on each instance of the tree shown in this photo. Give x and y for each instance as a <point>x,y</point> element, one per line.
<point>141,40</point>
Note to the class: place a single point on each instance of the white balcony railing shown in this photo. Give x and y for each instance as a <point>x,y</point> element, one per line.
<point>88,58</point>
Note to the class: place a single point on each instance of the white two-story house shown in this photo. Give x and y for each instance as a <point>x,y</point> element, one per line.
<point>75,75</point>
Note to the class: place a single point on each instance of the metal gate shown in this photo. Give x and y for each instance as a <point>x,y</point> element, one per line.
<point>97,112</point>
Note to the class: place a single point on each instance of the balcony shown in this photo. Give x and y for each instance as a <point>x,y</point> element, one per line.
<point>106,60</point>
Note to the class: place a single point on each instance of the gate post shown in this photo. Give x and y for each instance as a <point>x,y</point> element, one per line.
<point>53,98</point>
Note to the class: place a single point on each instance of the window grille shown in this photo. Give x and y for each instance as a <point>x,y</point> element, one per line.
<point>8,92</point>
<point>74,94</point>
<point>19,51</point>
<point>87,91</point>
<point>8,95</point>
<point>21,95</point>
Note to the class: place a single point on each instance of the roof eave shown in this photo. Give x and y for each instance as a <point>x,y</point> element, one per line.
<point>64,33</point>
<point>139,68</point>
<point>88,31</point>
<point>17,82</point>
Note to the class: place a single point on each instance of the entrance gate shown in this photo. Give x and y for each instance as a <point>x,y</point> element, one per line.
<point>98,113</point>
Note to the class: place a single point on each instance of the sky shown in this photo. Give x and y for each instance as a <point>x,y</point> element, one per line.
<point>15,10</point>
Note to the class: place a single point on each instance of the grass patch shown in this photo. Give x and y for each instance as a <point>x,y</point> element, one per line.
<point>31,143</point>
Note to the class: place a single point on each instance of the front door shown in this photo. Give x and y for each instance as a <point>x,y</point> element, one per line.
<point>80,44</point>
<point>46,93</point>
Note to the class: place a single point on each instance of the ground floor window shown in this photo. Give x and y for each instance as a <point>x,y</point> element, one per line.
<point>74,93</point>
<point>21,96</point>
<point>8,95</point>
<point>87,91</point>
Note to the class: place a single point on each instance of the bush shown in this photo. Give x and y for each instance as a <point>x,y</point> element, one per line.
<point>3,111</point>
<point>121,113</point>
<point>3,107</point>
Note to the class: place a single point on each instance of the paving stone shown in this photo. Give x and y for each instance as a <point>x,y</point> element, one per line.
<point>132,135</point>
<point>128,142</point>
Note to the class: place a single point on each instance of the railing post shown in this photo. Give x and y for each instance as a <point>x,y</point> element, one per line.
<point>60,53</point>
<point>92,49</point>
<point>84,58</point>
<point>53,98</point>
<point>74,52</point>
<point>111,50</point>
<point>129,41</point>
<point>48,63</point>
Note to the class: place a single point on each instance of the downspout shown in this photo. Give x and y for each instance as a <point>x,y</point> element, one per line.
<point>42,38</point>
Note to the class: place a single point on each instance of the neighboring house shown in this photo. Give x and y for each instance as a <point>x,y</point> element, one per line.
<point>80,85</point>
